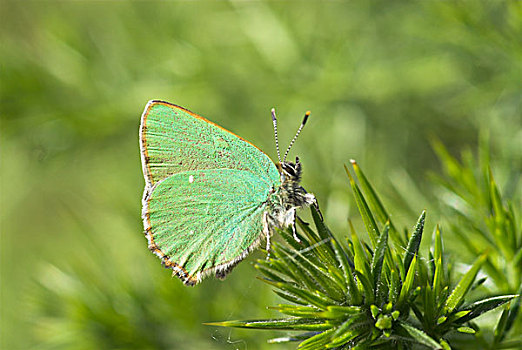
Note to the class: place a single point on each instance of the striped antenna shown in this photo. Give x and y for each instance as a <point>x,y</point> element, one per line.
<point>274,121</point>
<point>307,114</point>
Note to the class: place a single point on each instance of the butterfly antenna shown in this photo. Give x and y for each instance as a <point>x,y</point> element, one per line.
<point>307,114</point>
<point>274,121</point>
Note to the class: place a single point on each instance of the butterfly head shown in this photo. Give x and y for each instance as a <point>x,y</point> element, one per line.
<point>290,171</point>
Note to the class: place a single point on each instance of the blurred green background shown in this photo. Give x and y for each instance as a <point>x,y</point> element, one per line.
<point>380,78</point>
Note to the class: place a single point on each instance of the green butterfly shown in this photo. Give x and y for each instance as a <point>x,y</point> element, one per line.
<point>210,196</point>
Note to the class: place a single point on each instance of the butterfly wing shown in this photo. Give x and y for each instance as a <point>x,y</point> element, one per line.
<point>205,192</point>
<point>205,221</point>
<point>174,140</point>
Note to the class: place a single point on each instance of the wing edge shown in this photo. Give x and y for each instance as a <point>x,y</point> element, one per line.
<point>220,270</point>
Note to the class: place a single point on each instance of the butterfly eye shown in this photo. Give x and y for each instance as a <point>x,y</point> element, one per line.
<point>289,169</point>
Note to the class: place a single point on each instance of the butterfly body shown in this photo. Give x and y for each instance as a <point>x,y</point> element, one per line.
<point>210,196</point>
<point>289,197</point>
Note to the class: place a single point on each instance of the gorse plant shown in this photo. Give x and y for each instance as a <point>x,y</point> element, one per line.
<point>484,219</point>
<point>381,294</point>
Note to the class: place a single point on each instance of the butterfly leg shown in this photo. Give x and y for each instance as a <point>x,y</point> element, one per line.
<point>309,199</point>
<point>294,231</point>
<point>267,247</point>
<point>316,206</point>
<point>266,231</point>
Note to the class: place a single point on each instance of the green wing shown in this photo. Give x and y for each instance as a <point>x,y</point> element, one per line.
<point>206,221</point>
<point>205,192</point>
<point>174,139</point>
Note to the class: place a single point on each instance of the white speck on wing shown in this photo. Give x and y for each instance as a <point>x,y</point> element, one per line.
<point>191,179</point>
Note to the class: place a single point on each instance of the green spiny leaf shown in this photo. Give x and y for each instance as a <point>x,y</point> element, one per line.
<point>378,256</point>
<point>478,308</point>
<point>514,309</point>
<point>408,284</point>
<point>322,230</point>
<point>290,323</point>
<point>375,202</point>
<point>352,292</point>
<point>369,221</point>
<point>429,305</point>
<point>416,335</point>
<point>295,269</point>
<point>293,338</point>
<point>450,164</point>
<point>322,251</point>
<point>437,244</point>
<point>500,329</point>
<point>297,310</point>
<point>365,286</point>
<point>394,287</point>
<point>439,266</point>
<point>343,335</point>
<point>517,259</point>
<point>423,275</point>
<point>360,258</point>
<point>352,328</point>
<point>285,267</point>
<point>335,311</point>
<point>307,233</point>
<point>266,269</point>
<point>437,258</point>
<point>503,236</point>
<point>303,235</point>
<point>496,200</point>
<point>314,297</point>
<point>310,274</point>
<point>457,295</point>
<point>318,341</point>
<point>290,296</point>
<point>414,242</point>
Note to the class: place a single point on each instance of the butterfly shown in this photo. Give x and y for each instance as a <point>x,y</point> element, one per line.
<point>210,196</point>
